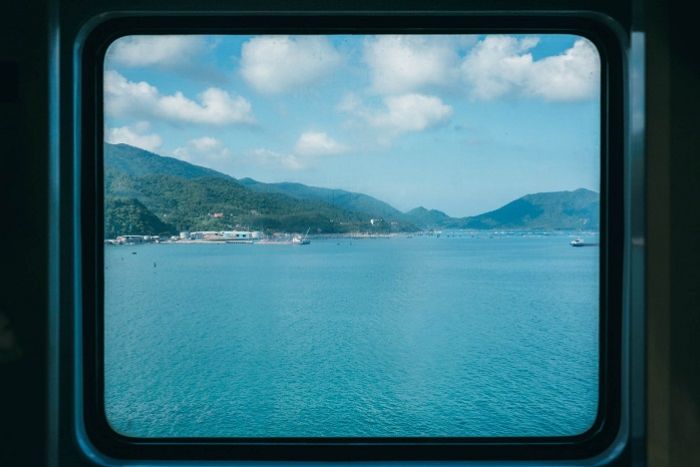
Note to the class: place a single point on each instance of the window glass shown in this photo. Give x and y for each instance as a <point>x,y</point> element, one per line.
<point>351,235</point>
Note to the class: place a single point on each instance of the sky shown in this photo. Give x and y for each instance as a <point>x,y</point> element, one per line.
<point>459,123</point>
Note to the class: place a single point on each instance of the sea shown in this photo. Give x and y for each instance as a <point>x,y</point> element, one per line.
<point>458,335</point>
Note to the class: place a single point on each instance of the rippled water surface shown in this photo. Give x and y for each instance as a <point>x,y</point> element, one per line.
<point>450,336</point>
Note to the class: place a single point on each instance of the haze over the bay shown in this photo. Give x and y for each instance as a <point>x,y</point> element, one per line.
<point>463,124</point>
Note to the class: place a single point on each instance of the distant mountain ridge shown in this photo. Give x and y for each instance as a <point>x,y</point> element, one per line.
<point>557,210</point>
<point>144,190</point>
<point>562,210</point>
<point>188,197</point>
<point>350,201</point>
<point>137,162</point>
<point>429,218</point>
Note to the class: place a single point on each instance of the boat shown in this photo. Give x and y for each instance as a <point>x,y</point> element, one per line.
<point>299,240</point>
<point>577,242</point>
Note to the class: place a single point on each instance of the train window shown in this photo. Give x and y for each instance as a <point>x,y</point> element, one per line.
<point>388,236</point>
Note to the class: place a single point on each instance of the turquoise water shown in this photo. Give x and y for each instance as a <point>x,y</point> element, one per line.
<point>451,336</point>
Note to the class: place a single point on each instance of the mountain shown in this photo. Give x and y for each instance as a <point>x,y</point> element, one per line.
<point>189,197</point>
<point>356,202</point>
<point>162,194</point>
<point>123,164</point>
<point>122,159</point>
<point>428,218</point>
<point>559,210</point>
<point>135,162</point>
<point>131,217</point>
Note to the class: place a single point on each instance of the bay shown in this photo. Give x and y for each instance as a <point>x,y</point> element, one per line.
<point>463,335</point>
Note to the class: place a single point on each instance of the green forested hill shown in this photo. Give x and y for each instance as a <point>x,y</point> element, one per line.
<point>188,197</point>
<point>563,210</point>
<point>356,202</point>
<point>150,194</point>
<point>135,162</point>
<point>128,216</point>
<point>428,218</point>
<point>557,210</point>
<point>191,204</point>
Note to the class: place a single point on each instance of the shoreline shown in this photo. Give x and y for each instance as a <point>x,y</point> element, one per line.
<point>286,239</point>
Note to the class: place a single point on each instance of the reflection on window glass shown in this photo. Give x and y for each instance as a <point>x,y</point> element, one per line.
<point>351,235</point>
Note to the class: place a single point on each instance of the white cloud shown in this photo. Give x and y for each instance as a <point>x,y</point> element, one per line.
<point>499,65</point>
<point>215,106</point>
<point>573,75</point>
<point>349,103</point>
<point>400,64</point>
<point>404,113</point>
<point>123,97</point>
<point>206,151</point>
<point>267,157</point>
<point>317,144</point>
<point>273,64</point>
<point>307,149</point>
<point>134,135</point>
<point>412,112</point>
<point>164,51</point>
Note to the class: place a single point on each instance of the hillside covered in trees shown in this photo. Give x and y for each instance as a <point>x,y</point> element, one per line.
<point>155,195</point>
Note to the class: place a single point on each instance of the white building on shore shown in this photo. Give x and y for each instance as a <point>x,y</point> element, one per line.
<point>222,235</point>
<point>135,239</point>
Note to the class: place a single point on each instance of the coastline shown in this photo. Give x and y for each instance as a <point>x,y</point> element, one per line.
<point>286,239</point>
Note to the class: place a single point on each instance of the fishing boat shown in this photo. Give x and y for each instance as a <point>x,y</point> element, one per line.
<point>577,242</point>
<point>299,240</point>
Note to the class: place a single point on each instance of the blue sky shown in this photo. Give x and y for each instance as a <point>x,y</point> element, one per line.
<point>463,124</point>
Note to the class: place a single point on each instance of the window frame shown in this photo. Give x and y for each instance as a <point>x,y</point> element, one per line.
<point>597,29</point>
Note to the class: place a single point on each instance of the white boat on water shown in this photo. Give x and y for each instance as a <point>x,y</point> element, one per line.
<point>299,240</point>
<point>577,242</point>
